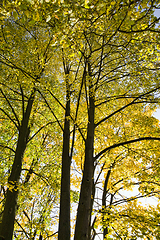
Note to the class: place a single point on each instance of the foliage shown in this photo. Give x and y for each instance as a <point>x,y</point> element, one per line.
<point>94,69</point>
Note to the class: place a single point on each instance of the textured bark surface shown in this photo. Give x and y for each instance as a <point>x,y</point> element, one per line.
<point>64,216</point>
<point>7,225</point>
<point>91,209</point>
<point>84,207</point>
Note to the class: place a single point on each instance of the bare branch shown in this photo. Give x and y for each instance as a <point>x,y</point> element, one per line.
<point>124,143</point>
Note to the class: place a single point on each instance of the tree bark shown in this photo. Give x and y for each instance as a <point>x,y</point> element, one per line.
<point>91,209</point>
<point>7,224</point>
<point>84,207</point>
<point>105,230</point>
<point>64,215</point>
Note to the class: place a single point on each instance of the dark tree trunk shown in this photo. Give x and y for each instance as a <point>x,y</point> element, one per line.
<point>64,216</point>
<point>105,230</point>
<point>7,225</point>
<point>91,209</point>
<point>84,207</point>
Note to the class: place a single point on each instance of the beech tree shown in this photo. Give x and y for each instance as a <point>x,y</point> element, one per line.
<point>85,77</point>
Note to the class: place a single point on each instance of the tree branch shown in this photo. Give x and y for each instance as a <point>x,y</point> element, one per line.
<point>124,143</point>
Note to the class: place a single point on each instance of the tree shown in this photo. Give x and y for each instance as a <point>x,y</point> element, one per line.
<point>19,107</point>
<point>95,64</point>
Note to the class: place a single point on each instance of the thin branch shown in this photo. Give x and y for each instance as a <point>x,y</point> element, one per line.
<point>22,100</point>
<point>40,130</point>
<point>127,105</point>
<point>124,143</point>
<point>100,66</point>
<point>51,110</point>
<point>150,194</point>
<point>14,113</point>
<point>10,118</point>
<point>78,102</point>
<point>139,31</point>
<point>24,28</point>
<point>56,99</point>
<point>22,229</point>
<point>12,65</point>
<point>51,235</point>
<point>7,148</point>
<point>26,215</point>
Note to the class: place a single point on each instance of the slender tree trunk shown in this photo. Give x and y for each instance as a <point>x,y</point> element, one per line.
<point>105,230</point>
<point>7,225</point>
<point>84,207</point>
<point>64,216</point>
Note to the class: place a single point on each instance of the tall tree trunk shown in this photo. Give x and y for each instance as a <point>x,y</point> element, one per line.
<point>7,224</point>
<point>64,216</point>
<point>105,230</point>
<point>84,207</point>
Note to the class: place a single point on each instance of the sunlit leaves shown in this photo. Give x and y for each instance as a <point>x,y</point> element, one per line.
<point>106,50</point>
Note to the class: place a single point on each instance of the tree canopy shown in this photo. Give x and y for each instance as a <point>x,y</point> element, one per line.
<point>79,144</point>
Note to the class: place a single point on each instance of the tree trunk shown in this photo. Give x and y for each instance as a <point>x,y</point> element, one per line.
<point>105,229</point>
<point>91,209</point>
<point>64,216</point>
<point>7,225</point>
<point>84,207</point>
